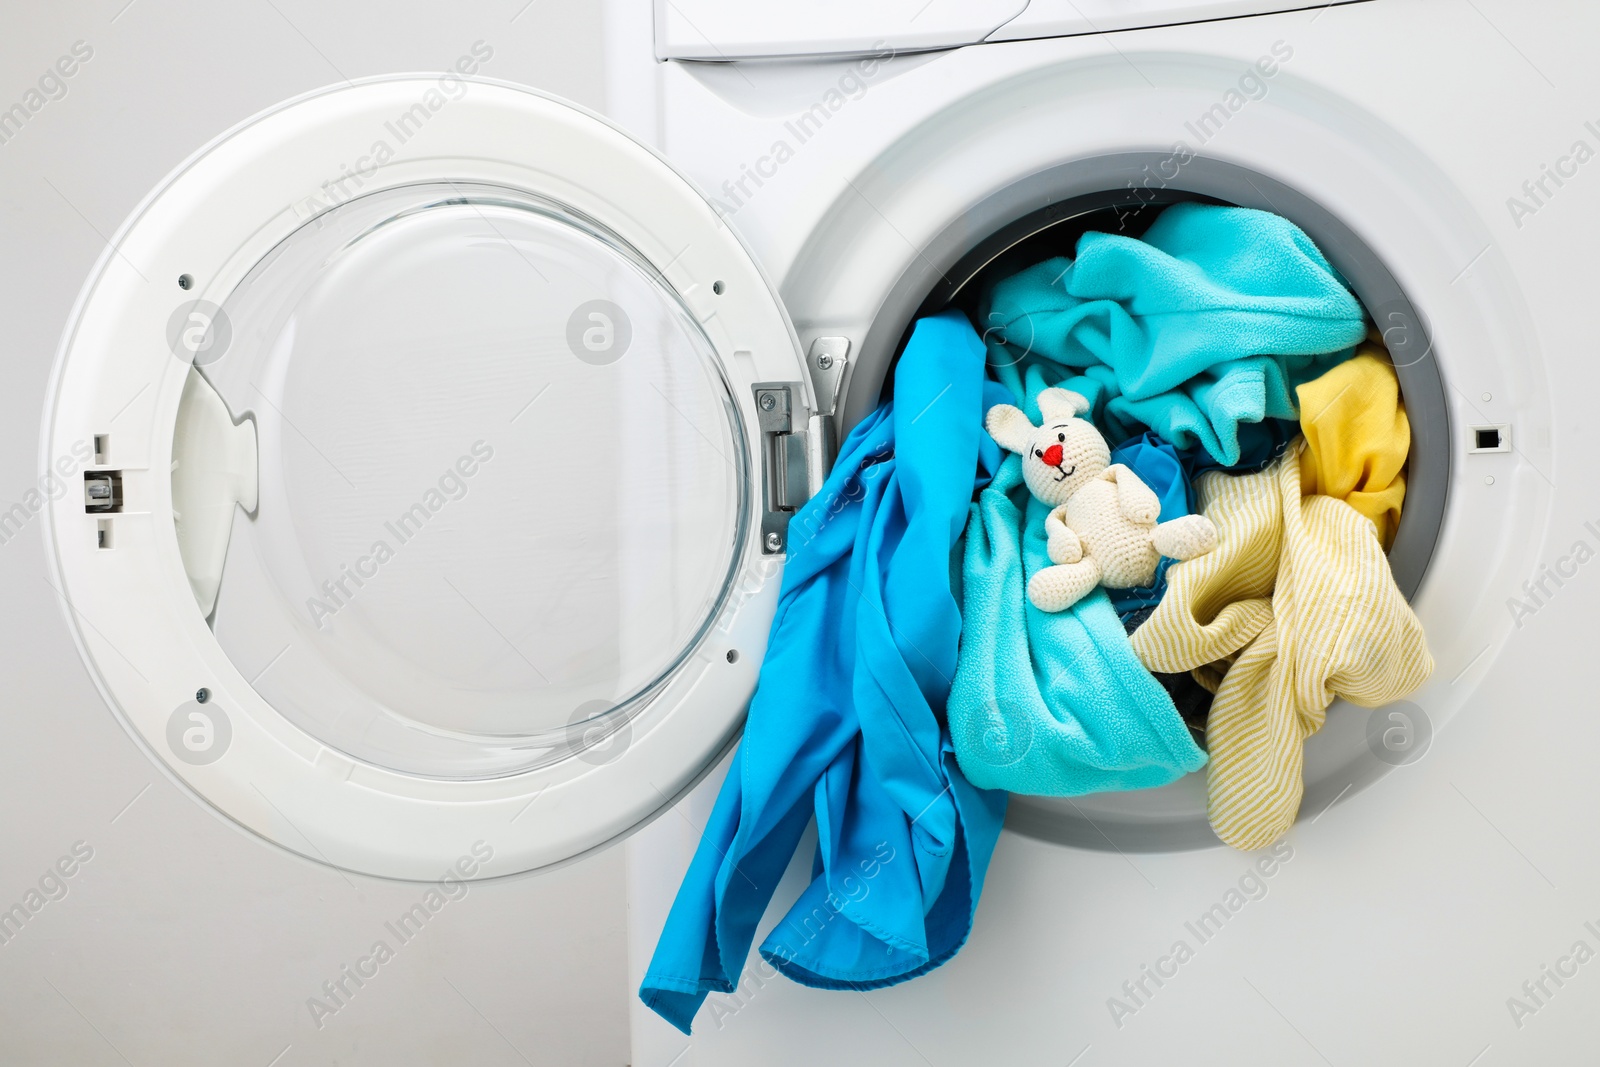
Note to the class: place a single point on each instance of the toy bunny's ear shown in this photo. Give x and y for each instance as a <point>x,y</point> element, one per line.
<point>1061,403</point>
<point>1010,427</point>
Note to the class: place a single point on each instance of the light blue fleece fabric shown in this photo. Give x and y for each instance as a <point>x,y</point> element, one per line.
<point>1050,703</point>
<point>1200,330</point>
<point>845,722</point>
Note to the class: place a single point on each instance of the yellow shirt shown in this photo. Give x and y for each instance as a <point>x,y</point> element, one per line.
<point>1357,438</point>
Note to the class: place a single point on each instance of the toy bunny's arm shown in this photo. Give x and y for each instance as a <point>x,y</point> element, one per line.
<point>1136,501</point>
<point>1061,543</point>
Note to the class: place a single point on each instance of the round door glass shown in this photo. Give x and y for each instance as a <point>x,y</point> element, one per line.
<point>502,481</point>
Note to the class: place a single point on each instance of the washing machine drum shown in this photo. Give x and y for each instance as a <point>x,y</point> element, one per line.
<point>429,502</point>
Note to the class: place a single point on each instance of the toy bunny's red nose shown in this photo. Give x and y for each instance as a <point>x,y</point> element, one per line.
<point>1052,456</point>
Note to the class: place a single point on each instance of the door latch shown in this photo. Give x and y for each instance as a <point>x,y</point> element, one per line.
<point>785,473</point>
<point>102,491</point>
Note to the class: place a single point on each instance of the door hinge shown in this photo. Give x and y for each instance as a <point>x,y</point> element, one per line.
<point>825,362</point>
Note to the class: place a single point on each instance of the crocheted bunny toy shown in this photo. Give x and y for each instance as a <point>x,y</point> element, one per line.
<point>1102,529</point>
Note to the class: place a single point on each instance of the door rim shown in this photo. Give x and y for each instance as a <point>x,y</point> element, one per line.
<point>212,219</point>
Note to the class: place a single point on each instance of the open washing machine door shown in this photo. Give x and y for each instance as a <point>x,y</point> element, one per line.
<point>443,440</point>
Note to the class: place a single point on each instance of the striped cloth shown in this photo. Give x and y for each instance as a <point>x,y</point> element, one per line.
<point>1295,606</point>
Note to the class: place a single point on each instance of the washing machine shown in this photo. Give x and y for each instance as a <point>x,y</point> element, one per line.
<point>412,489</point>
<point>1435,901</point>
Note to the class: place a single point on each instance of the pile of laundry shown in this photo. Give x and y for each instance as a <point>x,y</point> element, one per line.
<point>1136,530</point>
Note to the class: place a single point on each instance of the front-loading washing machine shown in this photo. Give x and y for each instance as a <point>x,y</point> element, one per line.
<point>421,452</point>
<point>1434,901</point>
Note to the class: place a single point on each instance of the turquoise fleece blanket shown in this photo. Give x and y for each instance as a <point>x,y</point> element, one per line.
<point>1053,704</point>
<point>1199,331</point>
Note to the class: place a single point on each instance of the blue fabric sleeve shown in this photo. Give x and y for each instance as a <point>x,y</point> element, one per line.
<point>845,725</point>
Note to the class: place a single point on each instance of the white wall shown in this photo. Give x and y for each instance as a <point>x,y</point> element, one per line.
<point>185,941</point>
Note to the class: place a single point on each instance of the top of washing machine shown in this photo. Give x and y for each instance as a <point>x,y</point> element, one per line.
<point>727,30</point>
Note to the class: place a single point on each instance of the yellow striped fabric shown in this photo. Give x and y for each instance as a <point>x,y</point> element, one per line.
<point>1295,605</point>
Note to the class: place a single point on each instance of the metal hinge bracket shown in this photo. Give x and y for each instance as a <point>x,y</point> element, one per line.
<point>825,362</point>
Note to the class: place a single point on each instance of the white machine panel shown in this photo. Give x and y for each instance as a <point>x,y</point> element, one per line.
<point>715,30</point>
<point>731,29</point>
<point>1068,18</point>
